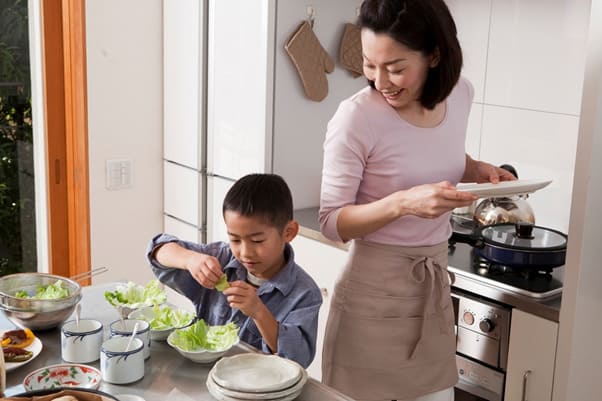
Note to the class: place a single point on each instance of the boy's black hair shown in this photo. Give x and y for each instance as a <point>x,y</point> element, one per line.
<point>261,195</point>
<point>424,26</point>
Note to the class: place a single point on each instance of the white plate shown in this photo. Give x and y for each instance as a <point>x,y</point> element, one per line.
<point>219,394</point>
<point>504,188</point>
<point>294,389</point>
<point>35,347</point>
<point>256,373</point>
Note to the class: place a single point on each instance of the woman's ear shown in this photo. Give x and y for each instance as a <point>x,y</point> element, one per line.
<point>291,230</point>
<point>435,58</point>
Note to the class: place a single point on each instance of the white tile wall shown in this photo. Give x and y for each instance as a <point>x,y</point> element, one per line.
<point>472,22</point>
<point>536,54</point>
<point>181,192</point>
<point>526,61</point>
<point>539,145</point>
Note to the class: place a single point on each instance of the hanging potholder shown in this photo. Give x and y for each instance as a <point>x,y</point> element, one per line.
<point>350,50</point>
<point>311,61</point>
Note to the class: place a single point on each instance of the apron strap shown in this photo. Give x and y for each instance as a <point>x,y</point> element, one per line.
<point>421,269</point>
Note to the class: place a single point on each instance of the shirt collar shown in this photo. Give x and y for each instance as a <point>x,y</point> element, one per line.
<point>283,281</point>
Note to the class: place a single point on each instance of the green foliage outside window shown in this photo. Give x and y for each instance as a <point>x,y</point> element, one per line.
<point>16,172</point>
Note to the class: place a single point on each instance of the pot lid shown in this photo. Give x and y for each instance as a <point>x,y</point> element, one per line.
<point>524,236</point>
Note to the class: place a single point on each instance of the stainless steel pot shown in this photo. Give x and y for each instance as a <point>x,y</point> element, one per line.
<point>511,209</point>
<point>503,210</point>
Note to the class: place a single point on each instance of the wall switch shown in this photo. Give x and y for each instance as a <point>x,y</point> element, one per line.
<point>119,173</point>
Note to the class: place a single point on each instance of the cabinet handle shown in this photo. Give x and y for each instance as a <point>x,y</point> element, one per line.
<point>525,380</point>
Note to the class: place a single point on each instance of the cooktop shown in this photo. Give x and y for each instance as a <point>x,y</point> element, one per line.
<point>532,282</point>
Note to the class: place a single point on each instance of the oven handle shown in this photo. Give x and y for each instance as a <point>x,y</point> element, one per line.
<point>525,380</point>
<point>479,391</point>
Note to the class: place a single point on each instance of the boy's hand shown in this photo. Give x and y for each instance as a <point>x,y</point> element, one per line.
<point>243,296</point>
<point>204,268</point>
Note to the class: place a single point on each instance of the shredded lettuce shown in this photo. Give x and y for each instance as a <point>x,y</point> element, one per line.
<point>134,296</point>
<point>201,336</point>
<point>167,318</point>
<point>56,290</point>
<point>222,283</point>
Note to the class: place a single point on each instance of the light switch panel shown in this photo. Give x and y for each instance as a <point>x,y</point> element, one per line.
<point>119,173</point>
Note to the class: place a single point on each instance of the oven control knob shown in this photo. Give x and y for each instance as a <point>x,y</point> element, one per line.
<point>468,318</point>
<point>486,326</point>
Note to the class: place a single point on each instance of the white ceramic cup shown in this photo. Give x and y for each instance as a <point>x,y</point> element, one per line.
<point>81,343</point>
<point>118,329</point>
<point>119,366</point>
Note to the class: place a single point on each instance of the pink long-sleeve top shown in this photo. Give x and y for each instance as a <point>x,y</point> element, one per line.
<point>371,152</point>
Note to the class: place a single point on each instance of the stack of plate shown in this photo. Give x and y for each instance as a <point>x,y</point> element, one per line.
<point>256,377</point>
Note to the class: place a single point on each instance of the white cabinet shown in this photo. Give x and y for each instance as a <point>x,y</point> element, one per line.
<point>531,357</point>
<point>216,228</point>
<point>258,116</point>
<point>324,263</point>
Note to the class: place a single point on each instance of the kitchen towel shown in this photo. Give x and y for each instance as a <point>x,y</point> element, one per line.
<point>311,61</point>
<point>350,50</point>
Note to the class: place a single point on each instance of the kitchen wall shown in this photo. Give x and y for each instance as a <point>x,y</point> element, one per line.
<point>526,59</point>
<point>125,58</point>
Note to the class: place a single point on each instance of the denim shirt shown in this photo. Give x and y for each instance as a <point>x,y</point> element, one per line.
<point>292,296</point>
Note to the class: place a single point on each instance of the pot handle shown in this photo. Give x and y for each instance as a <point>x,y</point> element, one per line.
<point>471,239</point>
<point>510,168</point>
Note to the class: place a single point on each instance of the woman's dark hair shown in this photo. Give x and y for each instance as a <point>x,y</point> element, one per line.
<point>261,195</point>
<point>421,25</point>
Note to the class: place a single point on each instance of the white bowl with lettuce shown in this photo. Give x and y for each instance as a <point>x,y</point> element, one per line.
<point>130,296</point>
<point>163,319</point>
<point>202,343</point>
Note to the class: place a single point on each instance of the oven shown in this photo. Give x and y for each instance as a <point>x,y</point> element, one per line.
<point>482,335</point>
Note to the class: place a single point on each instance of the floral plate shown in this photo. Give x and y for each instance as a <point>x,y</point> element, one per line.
<point>61,376</point>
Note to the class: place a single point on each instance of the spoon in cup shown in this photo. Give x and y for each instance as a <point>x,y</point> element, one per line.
<point>78,311</point>
<point>127,347</point>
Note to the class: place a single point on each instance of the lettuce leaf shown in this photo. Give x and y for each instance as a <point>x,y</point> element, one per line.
<point>222,283</point>
<point>56,290</point>
<point>134,296</point>
<point>167,318</point>
<point>201,336</point>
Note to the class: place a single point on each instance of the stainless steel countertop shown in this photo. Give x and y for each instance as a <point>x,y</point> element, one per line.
<point>164,371</point>
<point>545,308</point>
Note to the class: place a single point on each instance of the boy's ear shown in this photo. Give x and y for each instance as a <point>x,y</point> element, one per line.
<point>290,230</point>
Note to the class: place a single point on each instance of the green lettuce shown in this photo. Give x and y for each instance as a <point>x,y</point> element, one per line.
<point>222,283</point>
<point>56,290</point>
<point>201,336</point>
<point>167,318</point>
<point>134,296</point>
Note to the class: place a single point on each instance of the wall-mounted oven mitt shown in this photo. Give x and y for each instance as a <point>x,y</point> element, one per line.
<point>311,61</point>
<point>350,50</point>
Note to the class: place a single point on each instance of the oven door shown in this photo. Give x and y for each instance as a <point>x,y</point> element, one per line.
<point>478,382</point>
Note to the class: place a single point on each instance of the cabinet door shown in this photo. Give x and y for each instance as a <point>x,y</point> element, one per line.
<point>239,84</point>
<point>531,356</point>
<point>323,263</point>
<point>216,191</point>
<point>181,192</point>
<point>182,86</point>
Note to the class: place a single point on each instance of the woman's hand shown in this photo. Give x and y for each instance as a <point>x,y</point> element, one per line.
<point>205,269</point>
<point>433,200</point>
<point>479,172</point>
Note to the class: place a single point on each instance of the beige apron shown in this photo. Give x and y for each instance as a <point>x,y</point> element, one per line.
<point>389,334</point>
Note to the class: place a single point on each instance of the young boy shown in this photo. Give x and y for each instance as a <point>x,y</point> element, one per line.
<point>274,302</point>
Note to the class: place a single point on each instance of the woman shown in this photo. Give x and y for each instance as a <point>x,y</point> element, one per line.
<point>392,156</point>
